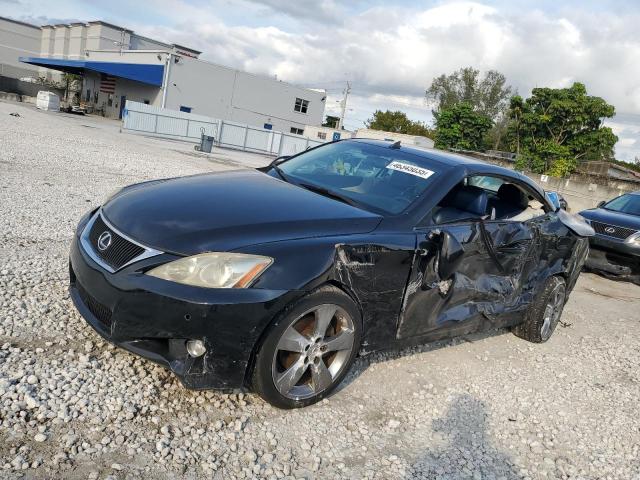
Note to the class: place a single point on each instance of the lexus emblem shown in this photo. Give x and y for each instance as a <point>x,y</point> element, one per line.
<point>104,240</point>
<point>610,230</point>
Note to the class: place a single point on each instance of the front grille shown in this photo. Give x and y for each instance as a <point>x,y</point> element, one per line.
<point>119,252</point>
<point>612,230</point>
<point>100,311</point>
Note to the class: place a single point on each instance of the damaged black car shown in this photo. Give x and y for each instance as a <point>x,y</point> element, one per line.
<point>275,280</point>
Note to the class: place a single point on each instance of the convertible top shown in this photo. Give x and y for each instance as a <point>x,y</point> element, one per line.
<point>471,166</point>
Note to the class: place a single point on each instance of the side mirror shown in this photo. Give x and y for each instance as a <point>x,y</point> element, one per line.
<point>554,198</point>
<point>600,203</point>
<point>449,256</point>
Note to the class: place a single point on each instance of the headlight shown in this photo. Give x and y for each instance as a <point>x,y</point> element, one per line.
<point>214,270</point>
<point>634,239</point>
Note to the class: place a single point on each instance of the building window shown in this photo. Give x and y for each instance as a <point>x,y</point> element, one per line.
<point>110,100</point>
<point>322,135</point>
<point>146,102</point>
<point>301,105</point>
<point>88,97</point>
<point>185,109</point>
<point>297,131</point>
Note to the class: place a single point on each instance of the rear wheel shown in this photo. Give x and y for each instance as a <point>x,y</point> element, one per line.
<point>309,349</point>
<point>544,313</point>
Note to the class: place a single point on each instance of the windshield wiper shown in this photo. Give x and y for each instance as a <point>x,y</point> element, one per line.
<point>328,193</point>
<point>280,173</point>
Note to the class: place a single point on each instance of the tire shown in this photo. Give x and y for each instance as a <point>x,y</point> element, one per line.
<point>308,350</point>
<point>544,313</point>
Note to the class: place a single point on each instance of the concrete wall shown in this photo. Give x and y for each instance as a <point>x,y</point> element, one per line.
<point>47,41</point>
<point>101,36</point>
<point>237,96</point>
<point>77,41</point>
<point>18,39</point>
<point>143,43</point>
<point>208,91</point>
<point>61,37</point>
<point>29,89</point>
<point>584,191</point>
<point>127,56</point>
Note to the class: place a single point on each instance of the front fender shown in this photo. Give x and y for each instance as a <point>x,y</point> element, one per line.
<point>373,269</point>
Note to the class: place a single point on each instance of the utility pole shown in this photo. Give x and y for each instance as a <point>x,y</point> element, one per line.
<point>343,105</point>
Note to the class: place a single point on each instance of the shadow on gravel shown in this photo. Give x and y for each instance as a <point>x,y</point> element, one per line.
<point>466,450</point>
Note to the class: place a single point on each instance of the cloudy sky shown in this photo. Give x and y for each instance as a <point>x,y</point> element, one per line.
<point>390,50</point>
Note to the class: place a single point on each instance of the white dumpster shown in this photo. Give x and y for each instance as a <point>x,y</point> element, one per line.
<point>48,101</point>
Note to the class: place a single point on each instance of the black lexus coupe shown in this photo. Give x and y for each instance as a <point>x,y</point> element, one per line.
<point>275,279</point>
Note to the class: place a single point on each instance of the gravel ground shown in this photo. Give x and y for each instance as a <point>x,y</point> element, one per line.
<point>481,407</point>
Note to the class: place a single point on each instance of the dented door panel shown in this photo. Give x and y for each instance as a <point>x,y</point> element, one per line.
<point>489,289</point>
<point>485,288</point>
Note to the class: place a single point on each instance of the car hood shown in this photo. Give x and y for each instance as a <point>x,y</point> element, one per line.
<point>229,210</point>
<point>614,218</point>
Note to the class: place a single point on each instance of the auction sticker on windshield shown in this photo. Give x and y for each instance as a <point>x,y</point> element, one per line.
<point>410,169</point>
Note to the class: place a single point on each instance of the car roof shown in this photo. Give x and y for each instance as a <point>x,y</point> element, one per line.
<point>470,165</point>
<point>445,158</point>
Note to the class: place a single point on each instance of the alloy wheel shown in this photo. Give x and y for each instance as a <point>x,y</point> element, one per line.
<point>313,351</point>
<point>553,310</point>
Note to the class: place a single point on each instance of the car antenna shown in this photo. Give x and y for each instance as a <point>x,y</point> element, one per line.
<point>395,145</point>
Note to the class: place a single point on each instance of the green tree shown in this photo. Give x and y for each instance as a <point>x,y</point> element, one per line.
<point>488,95</point>
<point>459,126</point>
<point>557,128</point>
<point>331,121</point>
<point>397,122</point>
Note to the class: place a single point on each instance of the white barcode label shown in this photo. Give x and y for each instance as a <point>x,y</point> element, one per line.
<point>410,169</point>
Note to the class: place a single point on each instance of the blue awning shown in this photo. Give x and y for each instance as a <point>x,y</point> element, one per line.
<point>139,72</point>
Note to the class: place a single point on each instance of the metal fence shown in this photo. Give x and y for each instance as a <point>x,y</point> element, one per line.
<point>165,123</point>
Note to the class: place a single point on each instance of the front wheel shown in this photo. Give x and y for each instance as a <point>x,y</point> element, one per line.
<point>544,313</point>
<point>309,349</point>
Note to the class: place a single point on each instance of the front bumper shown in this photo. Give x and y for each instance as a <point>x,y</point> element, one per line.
<point>614,258</point>
<point>153,318</point>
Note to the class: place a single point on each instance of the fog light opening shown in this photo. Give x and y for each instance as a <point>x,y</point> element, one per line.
<point>196,348</point>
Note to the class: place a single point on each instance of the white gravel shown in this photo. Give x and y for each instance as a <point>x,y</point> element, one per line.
<point>482,407</point>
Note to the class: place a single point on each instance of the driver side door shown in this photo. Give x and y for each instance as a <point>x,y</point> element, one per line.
<point>484,290</point>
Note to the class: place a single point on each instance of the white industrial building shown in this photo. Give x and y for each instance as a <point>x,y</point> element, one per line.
<point>118,65</point>
<point>18,39</point>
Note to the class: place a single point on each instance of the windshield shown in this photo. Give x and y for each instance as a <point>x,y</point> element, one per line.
<point>373,176</point>
<point>625,204</point>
